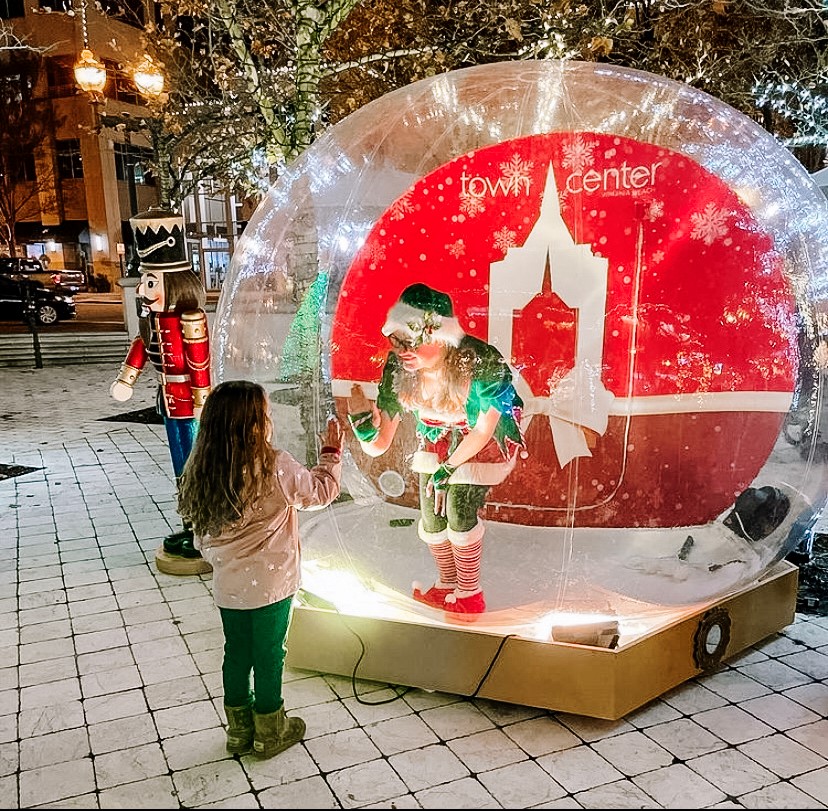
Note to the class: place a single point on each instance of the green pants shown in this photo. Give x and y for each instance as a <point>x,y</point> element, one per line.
<point>254,640</point>
<point>463,501</point>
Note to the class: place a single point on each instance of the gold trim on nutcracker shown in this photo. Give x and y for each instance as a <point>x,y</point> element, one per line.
<point>196,366</point>
<point>128,374</point>
<point>194,326</point>
<point>199,396</point>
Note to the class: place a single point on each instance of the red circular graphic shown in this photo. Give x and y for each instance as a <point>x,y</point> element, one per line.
<point>645,316</point>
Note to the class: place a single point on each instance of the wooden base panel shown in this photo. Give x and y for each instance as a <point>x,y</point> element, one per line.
<point>581,679</point>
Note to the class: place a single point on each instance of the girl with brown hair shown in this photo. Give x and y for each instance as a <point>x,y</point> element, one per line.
<point>241,496</point>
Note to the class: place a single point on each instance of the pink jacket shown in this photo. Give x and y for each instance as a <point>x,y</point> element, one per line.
<point>256,561</point>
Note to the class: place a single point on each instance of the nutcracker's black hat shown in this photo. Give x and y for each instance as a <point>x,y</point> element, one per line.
<point>159,241</point>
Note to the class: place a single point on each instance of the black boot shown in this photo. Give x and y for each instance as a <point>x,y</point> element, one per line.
<point>181,543</point>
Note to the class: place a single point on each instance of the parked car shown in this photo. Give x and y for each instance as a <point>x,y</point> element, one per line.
<point>50,306</point>
<point>72,280</point>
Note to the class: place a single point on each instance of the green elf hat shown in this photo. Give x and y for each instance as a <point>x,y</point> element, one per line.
<point>424,315</point>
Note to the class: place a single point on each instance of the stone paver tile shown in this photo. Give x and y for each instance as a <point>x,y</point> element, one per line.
<point>424,768</point>
<point>503,714</point>
<point>487,750</point>
<point>54,718</point>
<point>378,705</point>
<point>454,720</point>
<point>49,784</point>
<point>174,692</point>
<point>291,765</point>
<point>692,697</point>
<point>675,786</point>
<point>685,738</point>
<point>44,695</point>
<point>812,736</point>
<point>732,772</point>
<point>110,681</point>
<point>109,736</point>
<point>465,793</point>
<point>734,686</point>
<point>620,794</point>
<point>186,718</point>
<point>779,674</point>
<point>593,729</point>
<point>401,734</point>
<point>175,667</point>
<point>323,719</point>
<point>814,784</point>
<point>779,795</point>
<point>342,749</point>
<point>56,747</point>
<point>115,705</point>
<point>129,765</point>
<point>814,696</point>
<point>157,792</point>
<point>779,711</point>
<point>373,782</point>
<point>521,785</point>
<point>732,724</point>
<point>210,783</point>
<point>540,736</point>
<point>312,792</point>
<point>195,749</point>
<point>782,755</point>
<point>8,792</point>
<point>579,768</point>
<point>633,753</point>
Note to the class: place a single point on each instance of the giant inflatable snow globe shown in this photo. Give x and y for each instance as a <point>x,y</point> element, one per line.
<point>645,265</point>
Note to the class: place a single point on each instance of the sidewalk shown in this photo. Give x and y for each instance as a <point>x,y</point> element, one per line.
<point>110,682</point>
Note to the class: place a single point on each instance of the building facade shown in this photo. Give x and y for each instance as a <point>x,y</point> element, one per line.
<point>92,171</point>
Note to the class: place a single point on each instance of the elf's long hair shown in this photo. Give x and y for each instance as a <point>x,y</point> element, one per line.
<point>232,463</point>
<point>456,371</point>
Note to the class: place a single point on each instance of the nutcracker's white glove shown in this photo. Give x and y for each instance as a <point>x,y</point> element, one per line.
<point>120,391</point>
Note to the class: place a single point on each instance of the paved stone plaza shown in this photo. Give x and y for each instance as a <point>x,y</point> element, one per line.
<point>110,683</point>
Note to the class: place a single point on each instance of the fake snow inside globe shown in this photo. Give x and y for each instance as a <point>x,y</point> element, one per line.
<point>618,284</point>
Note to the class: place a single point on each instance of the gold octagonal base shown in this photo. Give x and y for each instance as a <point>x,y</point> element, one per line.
<point>582,679</point>
<point>175,564</point>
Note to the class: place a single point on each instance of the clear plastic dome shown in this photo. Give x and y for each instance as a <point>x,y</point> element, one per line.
<point>652,266</point>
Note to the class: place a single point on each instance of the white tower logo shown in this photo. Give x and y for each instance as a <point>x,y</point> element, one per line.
<point>579,278</point>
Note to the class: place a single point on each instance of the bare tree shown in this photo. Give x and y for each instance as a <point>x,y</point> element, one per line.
<point>25,122</point>
<point>252,84</point>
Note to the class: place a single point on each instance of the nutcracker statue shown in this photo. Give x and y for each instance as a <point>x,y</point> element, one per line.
<point>173,338</point>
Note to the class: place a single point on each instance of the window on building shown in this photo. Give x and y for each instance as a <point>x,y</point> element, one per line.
<point>11,8</point>
<point>61,76</point>
<point>69,160</point>
<point>139,158</point>
<point>25,167</point>
<point>119,84</point>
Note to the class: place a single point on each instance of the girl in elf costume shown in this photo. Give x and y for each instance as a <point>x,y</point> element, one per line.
<point>467,412</point>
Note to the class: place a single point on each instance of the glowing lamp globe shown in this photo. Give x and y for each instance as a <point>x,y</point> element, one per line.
<point>90,74</point>
<point>652,266</point>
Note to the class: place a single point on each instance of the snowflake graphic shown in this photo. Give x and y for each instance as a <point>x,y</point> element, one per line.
<point>578,154</point>
<point>710,224</point>
<point>456,249</point>
<point>658,257</point>
<point>471,205</point>
<point>516,173</point>
<point>655,210</point>
<point>504,239</point>
<point>402,206</point>
<point>377,253</point>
